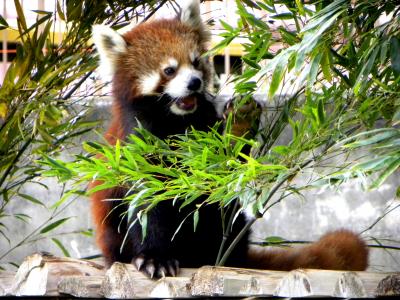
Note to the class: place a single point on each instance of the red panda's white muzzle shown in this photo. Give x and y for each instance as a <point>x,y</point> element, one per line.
<point>184,106</point>
<point>183,89</point>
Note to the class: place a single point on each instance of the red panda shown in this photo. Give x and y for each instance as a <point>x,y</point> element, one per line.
<point>159,80</point>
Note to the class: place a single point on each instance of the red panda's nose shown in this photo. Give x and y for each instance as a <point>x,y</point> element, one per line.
<point>194,84</point>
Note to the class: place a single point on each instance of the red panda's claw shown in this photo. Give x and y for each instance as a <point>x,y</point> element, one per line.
<point>156,268</point>
<point>138,262</point>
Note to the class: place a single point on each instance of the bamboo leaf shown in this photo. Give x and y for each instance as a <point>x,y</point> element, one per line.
<point>391,168</point>
<point>60,11</point>
<point>374,139</point>
<point>60,245</point>
<point>251,63</point>
<point>21,15</point>
<point>195,220</point>
<point>276,80</point>
<point>3,22</point>
<point>271,240</point>
<point>31,199</point>
<point>53,225</point>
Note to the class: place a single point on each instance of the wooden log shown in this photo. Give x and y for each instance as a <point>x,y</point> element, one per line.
<point>124,281</point>
<point>119,283</point>
<point>389,286</point>
<point>350,285</point>
<point>219,281</point>
<point>6,279</point>
<point>171,287</point>
<point>46,275</point>
<point>39,274</point>
<point>81,286</point>
<point>223,281</point>
<point>296,284</point>
<point>321,283</point>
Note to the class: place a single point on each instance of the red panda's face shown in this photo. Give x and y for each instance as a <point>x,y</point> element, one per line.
<point>164,58</point>
<point>160,58</point>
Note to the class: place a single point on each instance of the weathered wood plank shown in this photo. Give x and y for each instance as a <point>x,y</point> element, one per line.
<point>306,283</point>
<point>213,281</point>
<point>389,286</point>
<point>81,286</point>
<point>6,279</point>
<point>171,287</point>
<point>39,274</point>
<point>124,281</point>
<point>46,275</point>
<point>350,285</point>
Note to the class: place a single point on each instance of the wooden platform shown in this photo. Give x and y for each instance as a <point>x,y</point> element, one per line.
<point>46,275</point>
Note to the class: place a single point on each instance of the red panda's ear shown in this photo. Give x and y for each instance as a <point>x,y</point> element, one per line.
<point>110,45</point>
<point>190,14</point>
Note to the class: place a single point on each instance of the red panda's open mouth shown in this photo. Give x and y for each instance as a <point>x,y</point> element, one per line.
<point>188,103</point>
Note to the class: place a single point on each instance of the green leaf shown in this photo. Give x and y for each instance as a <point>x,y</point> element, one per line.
<point>365,71</point>
<point>60,11</point>
<point>312,75</point>
<point>180,226</point>
<point>31,199</point>
<point>21,16</point>
<point>281,149</point>
<point>386,173</point>
<point>275,240</point>
<point>195,220</point>
<point>321,112</point>
<point>276,80</point>
<point>88,233</point>
<point>326,65</point>
<point>378,136</point>
<point>3,22</point>
<point>299,4</point>
<point>54,225</point>
<point>251,63</point>
<point>226,26</point>
<point>375,164</point>
<point>61,246</point>
<point>117,153</point>
<point>282,16</point>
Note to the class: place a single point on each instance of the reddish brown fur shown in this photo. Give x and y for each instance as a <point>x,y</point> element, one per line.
<point>100,208</point>
<point>338,250</point>
<point>152,43</point>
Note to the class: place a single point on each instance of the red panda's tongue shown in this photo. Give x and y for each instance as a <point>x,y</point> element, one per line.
<point>187,103</point>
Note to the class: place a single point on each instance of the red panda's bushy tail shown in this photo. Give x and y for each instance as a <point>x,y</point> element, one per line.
<point>337,250</point>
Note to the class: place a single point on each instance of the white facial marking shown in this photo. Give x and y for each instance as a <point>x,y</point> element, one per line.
<point>177,87</point>
<point>172,62</point>
<point>149,83</point>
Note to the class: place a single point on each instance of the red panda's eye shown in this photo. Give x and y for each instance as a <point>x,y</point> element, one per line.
<point>169,71</point>
<point>196,62</point>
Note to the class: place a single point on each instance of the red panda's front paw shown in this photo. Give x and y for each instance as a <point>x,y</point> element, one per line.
<point>156,268</point>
